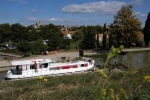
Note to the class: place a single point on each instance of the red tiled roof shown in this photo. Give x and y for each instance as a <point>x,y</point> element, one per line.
<point>68,32</point>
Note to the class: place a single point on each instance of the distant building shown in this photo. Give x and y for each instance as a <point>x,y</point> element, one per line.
<point>37,25</point>
<point>45,41</point>
<point>101,37</point>
<point>68,33</point>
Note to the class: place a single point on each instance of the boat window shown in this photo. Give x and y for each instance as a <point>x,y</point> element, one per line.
<point>41,66</point>
<point>45,65</point>
<point>82,65</point>
<point>31,66</point>
<point>53,68</point>
<point>24,67</point>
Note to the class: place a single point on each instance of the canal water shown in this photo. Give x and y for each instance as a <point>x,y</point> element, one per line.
<point>2,76</point>
<point>130,60</point>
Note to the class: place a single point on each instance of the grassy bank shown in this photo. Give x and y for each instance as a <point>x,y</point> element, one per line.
<point>87,86</point>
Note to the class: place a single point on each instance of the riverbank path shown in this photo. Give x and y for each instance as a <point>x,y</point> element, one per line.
<point>135,49</point>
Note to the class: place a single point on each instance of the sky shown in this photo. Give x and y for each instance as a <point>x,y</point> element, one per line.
<point>68,12</point>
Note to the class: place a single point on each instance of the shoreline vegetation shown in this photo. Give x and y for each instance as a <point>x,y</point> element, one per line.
<point>79,86</point>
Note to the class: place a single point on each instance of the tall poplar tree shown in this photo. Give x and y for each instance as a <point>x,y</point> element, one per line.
<point>104,37</point>
<point>146,30</point>
<point>126,28</point>
<point>99,30</point>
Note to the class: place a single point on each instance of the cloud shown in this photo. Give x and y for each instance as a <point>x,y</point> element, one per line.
<point>54,20</point>
<point>34,10</point>
<point>20,1</point>
<point>140,14</point>
<point>144,15</point>
<point>102,7</point>
<point>65,20</point>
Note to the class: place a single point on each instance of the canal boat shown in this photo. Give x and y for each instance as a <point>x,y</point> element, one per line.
<point>46,67</point>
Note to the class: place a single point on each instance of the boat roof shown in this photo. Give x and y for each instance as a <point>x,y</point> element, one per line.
<point>26,62</point>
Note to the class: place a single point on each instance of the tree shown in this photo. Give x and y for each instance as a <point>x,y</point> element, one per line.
<point>34,35</point>
<point>24,46</point>
<point>89,40</point>
<point>66,43</point>
<point>54,42</point>
<point>104,37</point>
<point>77,37</point>
<point>126,28</point>
<point>53,34</point>
<point>5,31</point>
<point>49,30</point>
<point>19,32</point>
<point>99,30</point>
<point>146,30</point>
<point>38,46</point>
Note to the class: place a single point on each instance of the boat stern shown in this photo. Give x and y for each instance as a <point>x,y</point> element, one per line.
<point>8,74</point>
<point>91,65</point>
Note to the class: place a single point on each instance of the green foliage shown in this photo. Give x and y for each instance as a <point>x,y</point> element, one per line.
<point>54,42</point>
<point>38,46</point>
<point>29,48</point>
<point>53,34</point>
<point>146,30</point>
<point>77,37</point>
<point>48,31</point>
<point>126,29</point>
<point>89,40</point>
<point>104,37</point>
<point>33,35</point>
<point>66,42</point>
<point>19,33</point>
<point>24,46</point>
<point>99,30</point>
<point>5,32</point>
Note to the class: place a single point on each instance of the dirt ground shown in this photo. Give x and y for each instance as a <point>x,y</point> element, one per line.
<point>52,56</point>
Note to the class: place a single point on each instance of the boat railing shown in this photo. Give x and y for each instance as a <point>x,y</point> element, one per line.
<point>28,69</point>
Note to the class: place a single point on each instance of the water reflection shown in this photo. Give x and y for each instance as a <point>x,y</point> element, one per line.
<point>130,60</point>
<point>2,75</point>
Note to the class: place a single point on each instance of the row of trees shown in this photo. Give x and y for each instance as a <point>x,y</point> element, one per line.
<point>125,30</point>
<point>23,36</point>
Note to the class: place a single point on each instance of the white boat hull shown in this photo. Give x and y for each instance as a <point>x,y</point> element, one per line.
<point>50,70</point>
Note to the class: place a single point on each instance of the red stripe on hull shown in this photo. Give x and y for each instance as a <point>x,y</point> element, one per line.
<point>65,67</point>
<point>57,68</point>
<point>75,66</point>
<point>86,64</point>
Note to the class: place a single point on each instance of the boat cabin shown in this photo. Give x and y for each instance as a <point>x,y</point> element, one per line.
<point>29,65</point>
